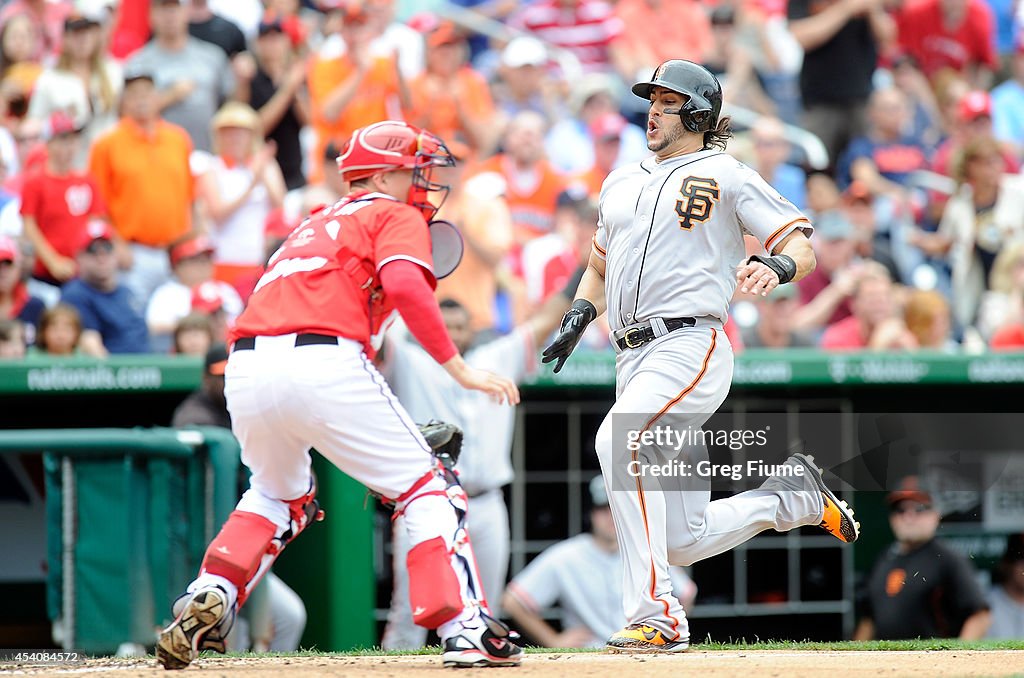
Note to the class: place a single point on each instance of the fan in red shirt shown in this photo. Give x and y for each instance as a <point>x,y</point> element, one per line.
<point>299,376</point>
<point>58,202</point>
<point>957,35</point>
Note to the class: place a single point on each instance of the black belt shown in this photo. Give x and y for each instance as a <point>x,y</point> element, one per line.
<point>637,335</point>
<point>249,343</point>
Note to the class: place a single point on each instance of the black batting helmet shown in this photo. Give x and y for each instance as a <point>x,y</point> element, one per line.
<point>704,105</point>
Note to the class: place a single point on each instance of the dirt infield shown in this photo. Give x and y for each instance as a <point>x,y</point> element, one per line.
<point>719,663</point>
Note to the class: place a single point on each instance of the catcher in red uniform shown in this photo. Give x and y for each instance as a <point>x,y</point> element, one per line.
<point>300,375</point>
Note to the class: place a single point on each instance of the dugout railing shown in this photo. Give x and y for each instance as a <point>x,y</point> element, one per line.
<point>127,516</point>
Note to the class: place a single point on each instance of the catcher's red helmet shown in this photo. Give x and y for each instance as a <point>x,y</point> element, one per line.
<point>393,145</point>
<point>390,145</point>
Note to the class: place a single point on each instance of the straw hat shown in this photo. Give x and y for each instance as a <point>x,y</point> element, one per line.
<point>236,114</point>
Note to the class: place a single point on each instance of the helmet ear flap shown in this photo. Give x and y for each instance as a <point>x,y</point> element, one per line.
<point>697,120</point>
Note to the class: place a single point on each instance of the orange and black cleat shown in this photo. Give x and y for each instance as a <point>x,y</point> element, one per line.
<point>643,638</point>
<point>838,519</point>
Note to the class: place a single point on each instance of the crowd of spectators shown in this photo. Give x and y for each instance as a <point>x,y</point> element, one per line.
<point>153,153</point>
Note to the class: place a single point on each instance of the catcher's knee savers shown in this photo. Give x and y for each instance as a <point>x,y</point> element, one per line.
<point>435,593</point>
<point>248,543</point>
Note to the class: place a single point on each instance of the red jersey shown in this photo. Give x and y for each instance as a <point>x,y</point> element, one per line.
<point>62,207</point>
<point>325,277</point>
<point>935,46</point>
<point>844,335</point>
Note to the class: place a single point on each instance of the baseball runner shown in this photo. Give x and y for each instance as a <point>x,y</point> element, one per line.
<point>664,265</point>
<point>485,464</point>
<point>299,376</point>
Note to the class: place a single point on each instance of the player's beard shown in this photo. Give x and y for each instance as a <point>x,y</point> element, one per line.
<point>669,136</point>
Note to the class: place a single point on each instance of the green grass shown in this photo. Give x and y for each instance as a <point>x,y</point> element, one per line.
<point>784,645</point>
<point>868,645</point>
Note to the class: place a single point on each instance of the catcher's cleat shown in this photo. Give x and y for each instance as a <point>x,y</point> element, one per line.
<point>196,627</point>
<point>838,519</point>
<point>490,644</point>
<point>643,638</point>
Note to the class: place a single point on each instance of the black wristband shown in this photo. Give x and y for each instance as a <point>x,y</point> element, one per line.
<point>588,310</point>
<point>782,264</point>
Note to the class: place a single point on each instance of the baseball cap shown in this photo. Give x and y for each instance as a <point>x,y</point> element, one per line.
<point>192,247</point>
<point>598,493</point>
<point>270,23</point>
<point>96,230</point>
<point>974,105</point>
<point>206,297</point>
<point>216,360</point>
<point>82,18</point>
<point>607,126</point>
<point>589,86</point>
<point>833,225</point>
<point>910,488</point>
<point>444,34</point>
<point>723,15</point>
<point>59,124</point>
<point>524,51</point>
<point>572,197</point>
<point>354,11</point>
<point>133,72</point>
<point>8,249</point>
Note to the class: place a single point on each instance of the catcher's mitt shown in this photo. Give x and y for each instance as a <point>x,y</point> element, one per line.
<point>445,441</point>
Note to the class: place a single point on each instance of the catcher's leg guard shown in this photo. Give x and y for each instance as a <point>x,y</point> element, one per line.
<point>434,590</point>
<point>443,578</point>
<point>249,542</point>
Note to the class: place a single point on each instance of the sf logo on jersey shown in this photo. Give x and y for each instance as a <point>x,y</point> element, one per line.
<point>697,197</point>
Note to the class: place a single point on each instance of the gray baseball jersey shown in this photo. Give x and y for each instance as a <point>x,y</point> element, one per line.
<point>427,392</point>
<point>672,234</point>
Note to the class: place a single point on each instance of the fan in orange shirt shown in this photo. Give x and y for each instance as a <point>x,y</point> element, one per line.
<point>532,184</point>
<point>355,89</point>
<point>477,207</point>
<point>606,131</point>
<point>449,97</point>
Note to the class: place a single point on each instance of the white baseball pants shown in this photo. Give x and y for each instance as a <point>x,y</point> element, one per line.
<point>488,523</point>
<point>285,400</point>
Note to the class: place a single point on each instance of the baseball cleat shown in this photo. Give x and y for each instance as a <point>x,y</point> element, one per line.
<point>195,628</point>
<point>838,519</point>
<point>489,644</point>
<point>643,638</point>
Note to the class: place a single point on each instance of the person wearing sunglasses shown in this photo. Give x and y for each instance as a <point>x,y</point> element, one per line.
<point>920,587</point>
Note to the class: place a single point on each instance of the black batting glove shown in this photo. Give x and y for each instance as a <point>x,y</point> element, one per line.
<point>574,322</point>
